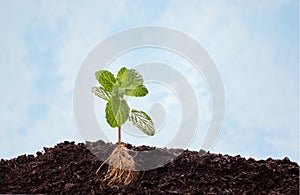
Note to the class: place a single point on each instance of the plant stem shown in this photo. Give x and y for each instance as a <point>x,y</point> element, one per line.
<point>119,135</point>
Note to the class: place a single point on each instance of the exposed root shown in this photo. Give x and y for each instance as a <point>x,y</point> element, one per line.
<point>121,168</point>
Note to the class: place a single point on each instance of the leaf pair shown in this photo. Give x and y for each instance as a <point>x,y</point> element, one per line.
<point>128,82</point>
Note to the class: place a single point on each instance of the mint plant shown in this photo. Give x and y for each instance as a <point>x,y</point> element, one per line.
<point>128,82</point>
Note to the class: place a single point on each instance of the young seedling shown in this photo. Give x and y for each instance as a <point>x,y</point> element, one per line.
<point>113,89</point>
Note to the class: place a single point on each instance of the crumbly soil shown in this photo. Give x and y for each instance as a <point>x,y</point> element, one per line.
<point>70,168</point>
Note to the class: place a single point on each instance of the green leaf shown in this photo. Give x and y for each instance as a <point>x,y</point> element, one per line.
<point>110,116</point>
<point>142,121</point>
<point>120,110</point>
<point>118,91</point>
<point>121,72</point>
<point>106,79</point>
<point>139,91</point>
<point>102,93</point>
<point>129,79</point>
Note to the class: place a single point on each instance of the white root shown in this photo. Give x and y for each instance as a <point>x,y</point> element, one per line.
<point>121,168</point>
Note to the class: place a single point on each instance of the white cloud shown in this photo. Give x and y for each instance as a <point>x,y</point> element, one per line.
<point>76,39</point>
<point>261,93</point>
<point>16,80</point>
<point>262,107</point>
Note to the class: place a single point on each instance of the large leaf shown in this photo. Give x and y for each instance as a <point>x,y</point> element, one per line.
<point>139,91</point>
<point>110,118</point>
<point>102,93</point>
<point>142,121</point>
<point>106,79</point>
<point>120,110</point>
<point>129,79</point>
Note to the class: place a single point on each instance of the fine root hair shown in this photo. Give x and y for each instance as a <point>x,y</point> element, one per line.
<point>121,168</point>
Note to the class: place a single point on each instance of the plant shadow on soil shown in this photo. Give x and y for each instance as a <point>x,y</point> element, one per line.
<point>70,168</point>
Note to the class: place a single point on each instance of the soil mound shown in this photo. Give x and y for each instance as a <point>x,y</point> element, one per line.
<point>70,168</point>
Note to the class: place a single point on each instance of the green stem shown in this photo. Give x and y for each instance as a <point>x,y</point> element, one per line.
<point>119,135</point>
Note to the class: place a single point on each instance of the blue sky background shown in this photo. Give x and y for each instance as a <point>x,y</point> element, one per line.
<point>255,45</point>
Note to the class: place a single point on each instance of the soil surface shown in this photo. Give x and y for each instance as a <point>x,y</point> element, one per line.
<point>70,168</point>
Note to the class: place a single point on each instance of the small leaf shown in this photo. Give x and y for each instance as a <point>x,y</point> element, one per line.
<point>118,91</point>
<point>106,79</point>
<point>110,116</point>
<point>120,110</point>
<point>101,93</point>
<point>142,121</point>
<point>139,91</point>
<point>121,72</point>
<point>129,79</point>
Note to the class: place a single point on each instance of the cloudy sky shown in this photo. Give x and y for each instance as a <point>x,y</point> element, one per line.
<point>253,43</point>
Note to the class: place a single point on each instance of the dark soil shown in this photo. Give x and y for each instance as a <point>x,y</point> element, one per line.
<point>69,168</point>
